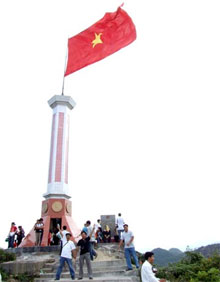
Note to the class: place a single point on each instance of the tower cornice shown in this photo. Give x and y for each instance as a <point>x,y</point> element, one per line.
<point>62,100</point>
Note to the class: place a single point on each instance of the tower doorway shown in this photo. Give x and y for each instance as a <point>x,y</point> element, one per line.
<point>53,224</point>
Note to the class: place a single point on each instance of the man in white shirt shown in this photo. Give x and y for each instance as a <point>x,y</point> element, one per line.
<point>120,225</point>
<point>68,251</point>
<point>147,274</point>
<point>62,234</point>
<point>98,225</point>
<point>127,237</point>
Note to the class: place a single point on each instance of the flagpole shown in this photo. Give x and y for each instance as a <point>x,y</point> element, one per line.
<point>65,63</point>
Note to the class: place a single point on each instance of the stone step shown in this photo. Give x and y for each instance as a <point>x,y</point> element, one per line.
<point>98,279</point>
<point>107,263</point>
<point>51,265</point>
<point>94,268</point>
<point>115,262</point>
<point>109,272</point>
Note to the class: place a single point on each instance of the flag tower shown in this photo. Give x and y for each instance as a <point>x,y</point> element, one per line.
<point>57,207</point>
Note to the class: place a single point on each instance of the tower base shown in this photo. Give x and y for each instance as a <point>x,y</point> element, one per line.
<point>54,211</point>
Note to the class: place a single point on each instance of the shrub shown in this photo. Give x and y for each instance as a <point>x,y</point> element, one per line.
<point>24,277</point>
<point>5,256</point>
<point>4,274</point>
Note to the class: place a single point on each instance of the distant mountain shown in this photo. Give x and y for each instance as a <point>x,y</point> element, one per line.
<point>209,250</point>
<point>175,251</point>
<point>164,257</point>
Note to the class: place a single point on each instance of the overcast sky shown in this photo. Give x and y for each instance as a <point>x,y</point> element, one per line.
<point>144,136</point>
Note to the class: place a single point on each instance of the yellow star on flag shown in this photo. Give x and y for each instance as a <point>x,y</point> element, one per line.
<point>97,40</point>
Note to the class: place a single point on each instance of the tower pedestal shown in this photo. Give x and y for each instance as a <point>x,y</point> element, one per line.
<point>54,211</point>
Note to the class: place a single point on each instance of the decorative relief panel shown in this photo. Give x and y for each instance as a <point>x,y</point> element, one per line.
<point>57,206</point>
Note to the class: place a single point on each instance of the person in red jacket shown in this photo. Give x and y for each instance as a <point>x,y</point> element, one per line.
<point>11,235</point>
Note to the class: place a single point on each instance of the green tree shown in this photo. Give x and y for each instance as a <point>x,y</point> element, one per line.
<point>193,268</point>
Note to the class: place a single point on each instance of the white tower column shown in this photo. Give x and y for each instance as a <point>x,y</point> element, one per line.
<point>57,207</point>
<point>58,165</point>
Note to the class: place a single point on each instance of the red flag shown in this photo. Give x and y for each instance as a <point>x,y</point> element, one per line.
<point>113,32</point>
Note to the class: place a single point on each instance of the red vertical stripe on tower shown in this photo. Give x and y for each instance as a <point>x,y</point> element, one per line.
<point>67,151</point>
<point>51,150</point>
<point>59,148</point>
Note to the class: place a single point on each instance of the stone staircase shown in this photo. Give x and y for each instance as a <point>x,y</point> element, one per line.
<point>110,266</point>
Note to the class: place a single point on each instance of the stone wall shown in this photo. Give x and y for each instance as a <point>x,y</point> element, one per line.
<point>16,267</point>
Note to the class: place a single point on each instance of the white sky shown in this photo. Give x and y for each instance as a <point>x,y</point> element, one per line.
<point>144,137</point>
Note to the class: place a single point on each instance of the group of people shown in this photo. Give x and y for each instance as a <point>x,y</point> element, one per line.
<point>88,236</point>
<point>70,248</point>
<point>102,235</point>
<point>85,246</point>
<point>127,238</point>
<point>15,235</point>
<point>106,235</point>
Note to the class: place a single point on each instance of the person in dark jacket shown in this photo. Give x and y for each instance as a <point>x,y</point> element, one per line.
<point>20,235</point>
<point>84,245</point>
